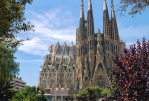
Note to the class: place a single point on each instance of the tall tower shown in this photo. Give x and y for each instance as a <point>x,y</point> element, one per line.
<point>106,36</point>
<point>91,38</point>
<point>81,44</point>
<point>114,31</point>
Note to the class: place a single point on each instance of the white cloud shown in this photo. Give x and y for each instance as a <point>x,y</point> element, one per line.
<point>131,34</point>
<point>50,27</point>
<point>30,61</point>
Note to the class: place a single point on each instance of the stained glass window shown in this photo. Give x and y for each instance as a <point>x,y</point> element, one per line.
<point>69,81</point>
<point>43,81</point>
<point>52,81</point>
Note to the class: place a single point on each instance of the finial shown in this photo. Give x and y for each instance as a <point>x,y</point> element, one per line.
<point>111,3</point>
<point>51,48</point>
<point>82,11</point>
<point>105,6</point>
<point>89,5</point>
<point>81,3</point>
<point>72,42</point>
<point>65,43</point>
<point>112,8</point>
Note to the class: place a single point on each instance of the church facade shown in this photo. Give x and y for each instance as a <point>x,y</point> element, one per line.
<point>95,50</point>
<point>86,63</point>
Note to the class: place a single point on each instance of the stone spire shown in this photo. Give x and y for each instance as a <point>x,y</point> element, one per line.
<point>69,62</point>
<point>105,8</point>
<point>65,43</point>
<point>112,10</point>
<point>71,43</point>
<point>82,10</point>
<point>89,5</point>
<point>61,60</point>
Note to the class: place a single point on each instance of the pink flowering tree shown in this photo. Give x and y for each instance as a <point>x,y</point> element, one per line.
<point>131,75</point>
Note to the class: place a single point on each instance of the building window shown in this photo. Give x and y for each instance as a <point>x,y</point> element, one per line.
<point>53,70</point>
<point>52,81</point>
<point>69,81</point>
<point>67,74</point>
<point>49,58</point>
<point>43,81</point>
<point>57,65</point>
<point>69,70</point>
<point>44,70</point>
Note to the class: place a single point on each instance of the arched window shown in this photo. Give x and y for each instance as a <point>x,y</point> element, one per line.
<point>100,67</point>
<point>101,82</point>
<point>86,78</point>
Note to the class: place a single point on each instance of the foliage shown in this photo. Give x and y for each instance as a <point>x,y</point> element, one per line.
<point>8,66</point>
<point>6,90</point>
<point>30,94</point>
<point>89,93</point>
<point>12,21</point>
<point>107,93</point>
<point>137,6</point>
<point>132,73</point>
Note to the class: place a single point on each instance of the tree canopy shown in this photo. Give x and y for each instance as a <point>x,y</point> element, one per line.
<point>136,6</point>
<point>12,21</point>
<point>85,93</point>
<point>29,94</point>
<point>132,73</point>
<point>8,66</point>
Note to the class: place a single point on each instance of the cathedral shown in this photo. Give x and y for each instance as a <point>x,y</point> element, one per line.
<point>75,67</point>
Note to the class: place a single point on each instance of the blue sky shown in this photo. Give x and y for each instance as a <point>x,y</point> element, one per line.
<point>57,20</point>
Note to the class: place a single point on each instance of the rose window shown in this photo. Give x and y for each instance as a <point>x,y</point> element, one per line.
<point>69,81</point>
<point>43,81</point>
<point>52,81</point>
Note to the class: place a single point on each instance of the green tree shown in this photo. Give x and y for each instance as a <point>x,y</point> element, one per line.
<point>6,90</point>
<point>107,93</point>
<point>29,94</point>
<point>8,66</point>
<point>136,6</point>
<point>85,93</point>
<point>12,21</point>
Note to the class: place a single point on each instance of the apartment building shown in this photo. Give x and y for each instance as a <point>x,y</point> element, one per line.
<point>19,84</point>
